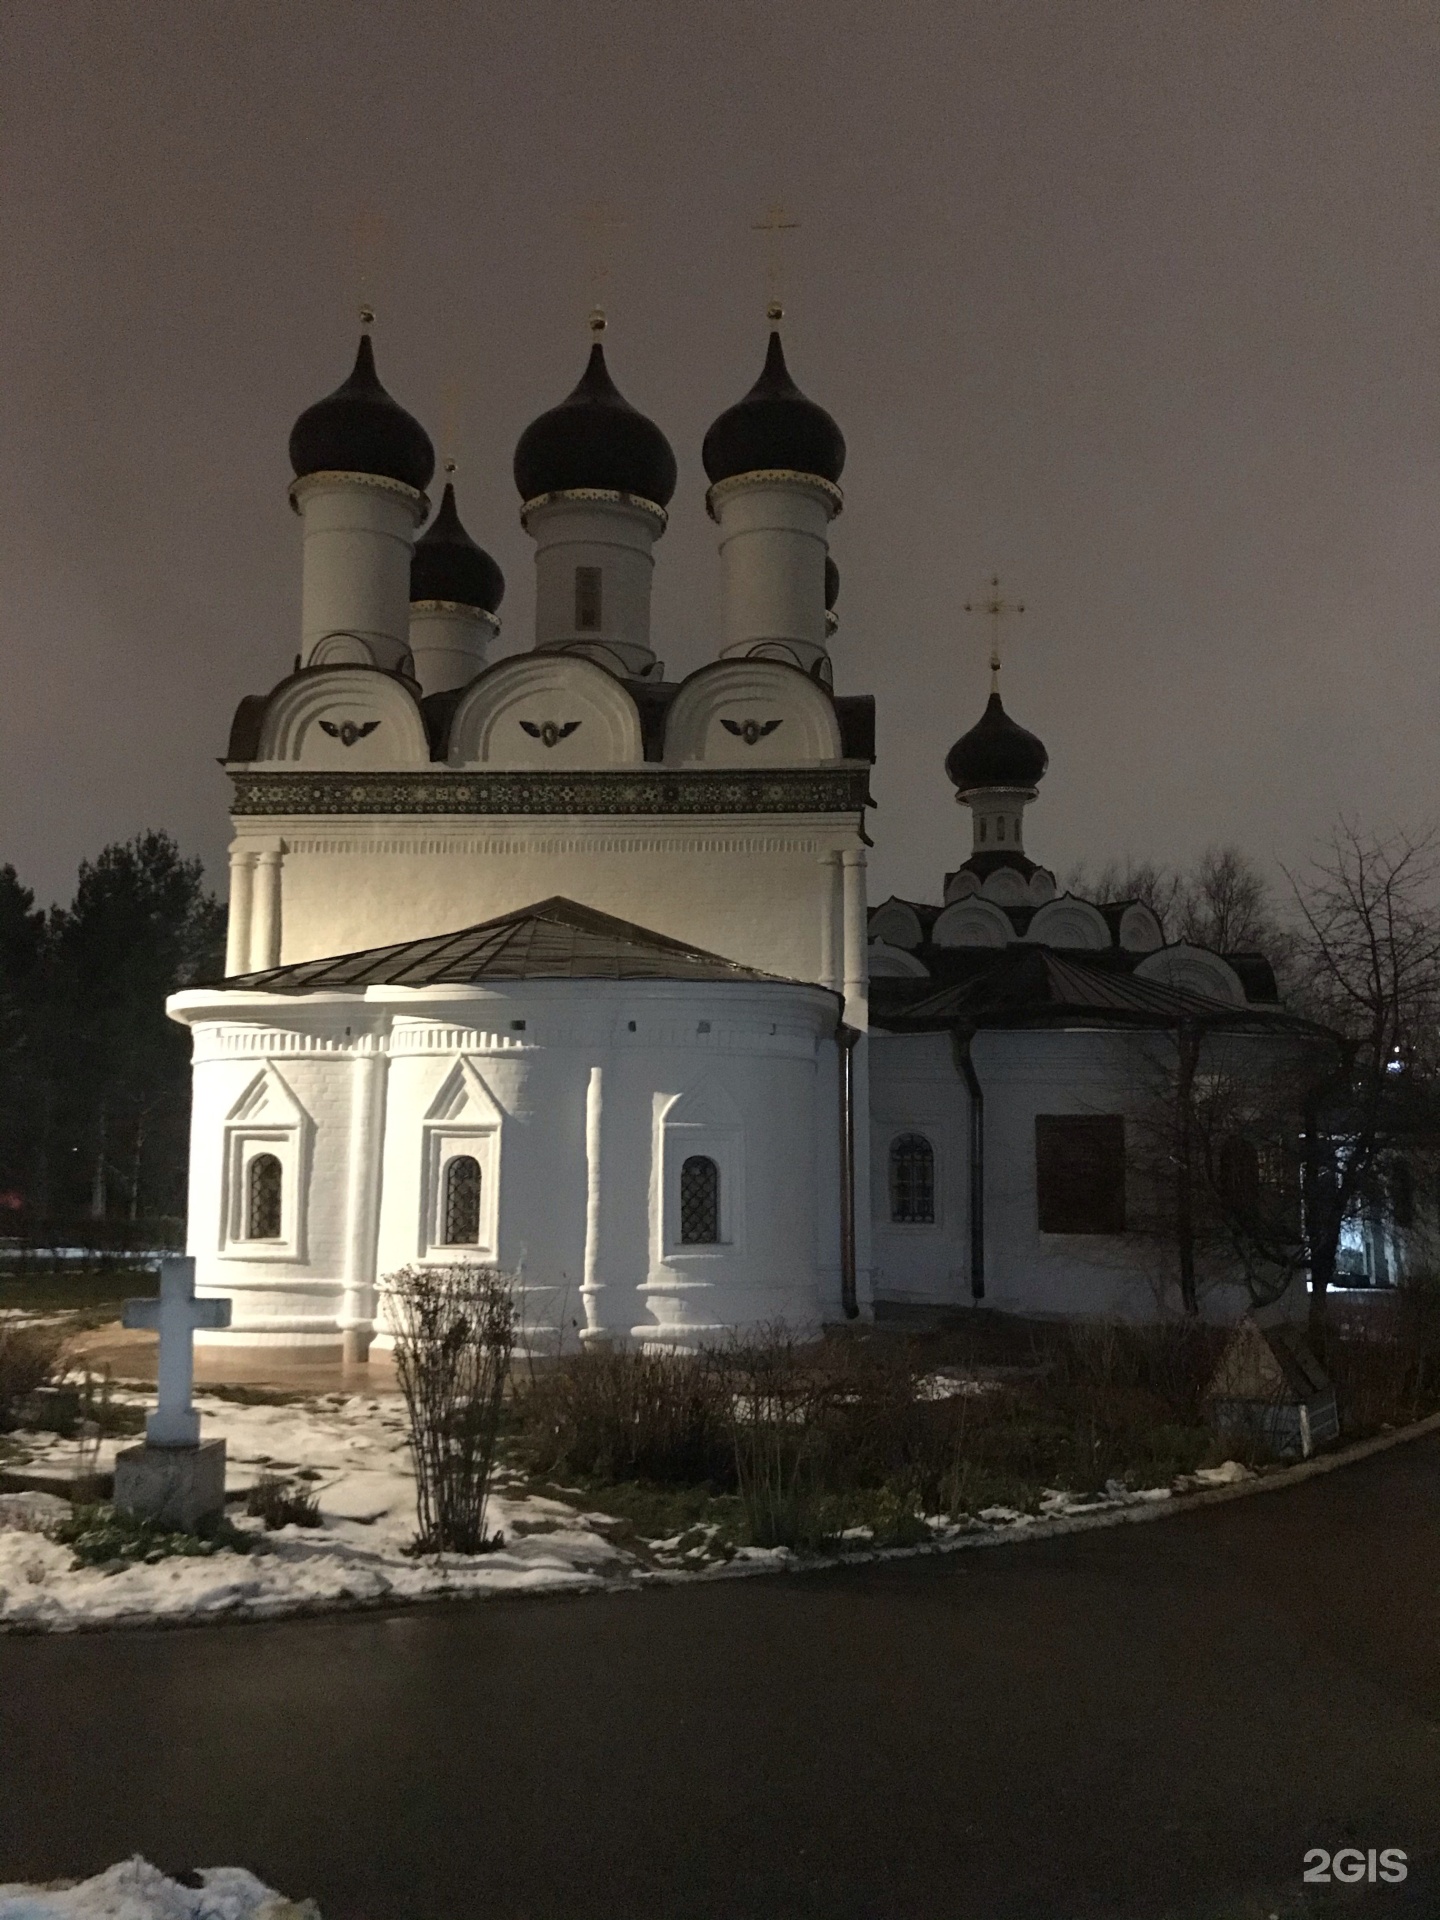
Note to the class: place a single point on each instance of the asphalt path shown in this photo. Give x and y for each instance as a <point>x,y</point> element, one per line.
<point>1151,1721</point>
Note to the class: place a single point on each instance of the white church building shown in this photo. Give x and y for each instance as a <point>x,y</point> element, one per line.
<point>558,964</point>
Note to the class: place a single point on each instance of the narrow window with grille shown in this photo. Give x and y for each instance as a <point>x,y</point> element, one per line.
<point>264,1192</point>
<point>587,599</point>
<point>462,1202</point>
<point>1080,1172</point>
<point>699,1202</point>
<point>912,1181</point>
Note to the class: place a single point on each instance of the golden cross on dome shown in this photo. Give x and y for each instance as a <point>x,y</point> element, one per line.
<point>601,223</point>
<point>369,235</point>
<point>997,609</point>
<point>776,222</point>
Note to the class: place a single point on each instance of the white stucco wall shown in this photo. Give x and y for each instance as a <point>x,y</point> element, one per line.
<point>744,1074</point>
<point>762,892</point>
<point>916,1087</point>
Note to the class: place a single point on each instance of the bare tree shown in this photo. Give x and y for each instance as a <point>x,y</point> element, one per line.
<point>1214,1152</point>
<point>1367,964</point>
<point>454,1333</point>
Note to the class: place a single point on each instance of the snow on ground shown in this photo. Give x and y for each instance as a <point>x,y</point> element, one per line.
<point>351,1452</point>
<point>134,1890</point>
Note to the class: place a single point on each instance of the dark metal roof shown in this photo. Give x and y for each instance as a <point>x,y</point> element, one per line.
<point>595,438</point>
<point>448,565</point>
<point>996,752</point>
<point>555,940</point>
<point>359,428</point>
<point>774,426</point>
<point>1025,986</point>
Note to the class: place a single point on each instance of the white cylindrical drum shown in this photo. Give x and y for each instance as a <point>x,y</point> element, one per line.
<point>355,596</point>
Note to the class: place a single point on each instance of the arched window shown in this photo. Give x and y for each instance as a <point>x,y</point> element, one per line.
<point>462,1202</point>
<point>264,1192</point>
<point>699,1202</point>
<point>912,1181</point>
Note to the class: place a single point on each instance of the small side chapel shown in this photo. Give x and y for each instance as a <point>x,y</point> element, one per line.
<point>557,963</point>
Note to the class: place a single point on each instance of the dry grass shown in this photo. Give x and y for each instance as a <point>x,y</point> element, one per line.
<point>863,1429</point>
<point>30,1358</point>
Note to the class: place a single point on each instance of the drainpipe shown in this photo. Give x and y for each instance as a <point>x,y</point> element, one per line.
<point>960,1042</point>
<point>846,1037</point>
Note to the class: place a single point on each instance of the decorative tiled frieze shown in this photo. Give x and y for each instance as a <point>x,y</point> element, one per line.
<point>657,791</point>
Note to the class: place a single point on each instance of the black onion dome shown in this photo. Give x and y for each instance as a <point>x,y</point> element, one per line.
<point>996,753</point>
<point>774,426</point>
<point>595,438</point>
<point>359,429</point>
<point>447,564</point>
<point>832,583</point>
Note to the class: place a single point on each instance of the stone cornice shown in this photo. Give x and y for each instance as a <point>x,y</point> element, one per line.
<point>308,483</point>
<point>478,615</point>
<point>647,790</point>
<point>771,477</point>
<point>594,496</point>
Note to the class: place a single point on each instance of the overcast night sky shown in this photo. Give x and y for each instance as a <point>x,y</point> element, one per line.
<point>1136,303</point>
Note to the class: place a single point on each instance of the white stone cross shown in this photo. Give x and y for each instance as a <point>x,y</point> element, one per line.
<point>176,1315</point>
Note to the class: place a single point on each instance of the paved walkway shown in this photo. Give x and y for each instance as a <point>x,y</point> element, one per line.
<point>1156,1720</point>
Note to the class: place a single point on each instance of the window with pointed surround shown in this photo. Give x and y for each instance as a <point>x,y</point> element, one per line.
<point>912,1181</point>
<point>587,600</point>
<point>266,1160</point>
<point>462,1201</point>
<point>699,1202</point>
<point>264,1198</point>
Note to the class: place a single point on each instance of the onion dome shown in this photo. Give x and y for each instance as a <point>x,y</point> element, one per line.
<point>595,438</point>
<point>447,564</point>
<point>832,583</point>
<point>774,427</point>
<point>996,753</point>
<point>359,429</point>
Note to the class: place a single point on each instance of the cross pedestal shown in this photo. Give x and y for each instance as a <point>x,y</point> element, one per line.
<point>174,1477</point>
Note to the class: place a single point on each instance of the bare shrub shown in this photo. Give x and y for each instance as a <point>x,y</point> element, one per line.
<point>278,1503</point>
<point>455,1331</point>
<point>618,1414</point>
<point>30,1358</point>
<point>775,1406</point>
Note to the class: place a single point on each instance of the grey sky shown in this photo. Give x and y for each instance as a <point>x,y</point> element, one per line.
<point>1136,303</point>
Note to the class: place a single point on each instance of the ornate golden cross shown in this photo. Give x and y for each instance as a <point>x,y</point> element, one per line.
<point>775,223</point>
<point>369,244</point>
<point>601,223</point>
<point>997,608</point>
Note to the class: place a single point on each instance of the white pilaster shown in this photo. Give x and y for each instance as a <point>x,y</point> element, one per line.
<point>362,1199</point>
<point>592,1286</point>
<point>265,910</point>
<point>857,971</point>
<point>237,923</point>
<point>359,536</point>
<point>832,931</point>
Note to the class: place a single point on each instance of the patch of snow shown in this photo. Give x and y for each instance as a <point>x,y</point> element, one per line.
<point>134,1890</point>
<point>366,1490</point>
<point>1225,1475</point>
<point>32,1512</point>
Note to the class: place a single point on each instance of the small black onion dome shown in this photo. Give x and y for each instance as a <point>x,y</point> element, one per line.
<point>832,583</point>
<point>774,426</point>
<point>996,753</point>
<point>595,438</point>
<point>359,429</point>
<point>447,564</point>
